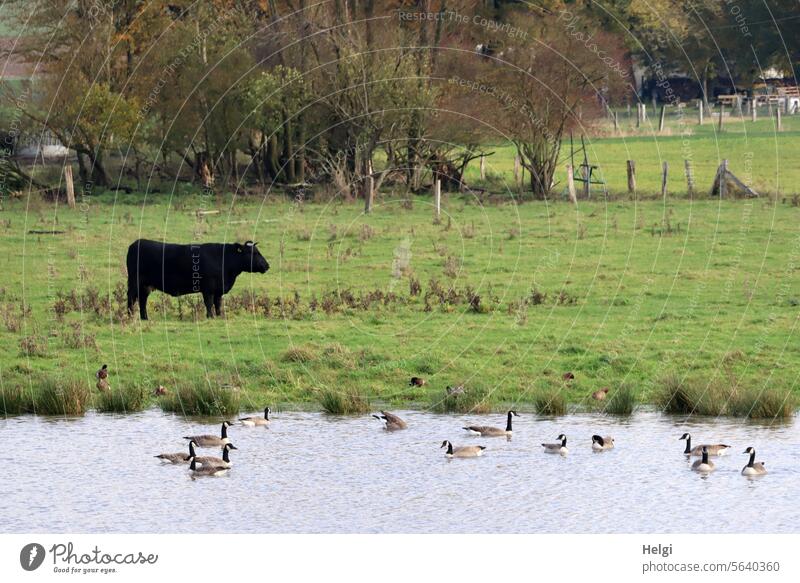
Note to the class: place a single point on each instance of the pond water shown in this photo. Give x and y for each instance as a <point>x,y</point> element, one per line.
<point>312,473</point>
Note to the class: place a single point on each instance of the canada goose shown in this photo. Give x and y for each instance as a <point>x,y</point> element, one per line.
<point>557,447</point>
<point>488,431</point>
<point>393,422</point>
<point>205,470</point>
<point>253,421</point>
<point>703,464</point>
<point>211,440</point>
<point>753,468</point>
<point>102,373</point>
<point>416,382</point>
<point>463,451</point>
<point>178,458</point>
<point>213,461</point>
<point>716,449</point>
<point>600,395</point>
<point>602,443</point>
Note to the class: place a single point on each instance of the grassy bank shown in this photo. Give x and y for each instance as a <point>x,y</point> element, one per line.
<point>503,298</point>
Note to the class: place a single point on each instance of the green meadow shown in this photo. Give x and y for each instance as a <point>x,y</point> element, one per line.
<point>689,303</point>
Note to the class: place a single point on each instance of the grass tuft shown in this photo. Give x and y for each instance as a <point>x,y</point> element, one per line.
<point>202,397</point>
<point>15,400</point>
<point>343,402</point>
<point>550,403</point>
<point>124,400</point>
<point>763,404</point>
<point>472,400</point>
<point>299,354</point>
<point>685,396</point>
<point>622,401</point>
<point>61,396</point>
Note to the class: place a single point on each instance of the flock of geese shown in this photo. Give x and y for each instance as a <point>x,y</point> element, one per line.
<point>218,466</point>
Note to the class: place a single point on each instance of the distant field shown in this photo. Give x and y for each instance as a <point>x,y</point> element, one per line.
<point>624,292</point>
<point>757,154</point>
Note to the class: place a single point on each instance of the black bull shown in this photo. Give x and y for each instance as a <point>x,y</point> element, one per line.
<point>210,269</point>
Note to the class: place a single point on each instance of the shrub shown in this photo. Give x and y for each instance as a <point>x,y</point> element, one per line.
<point>33,346</point>
<point>348,402</point>
<point>763,404</point>
<point>549,403</point>
<point>202,397</point>
<point>622,400</point>
<point>61,396</point>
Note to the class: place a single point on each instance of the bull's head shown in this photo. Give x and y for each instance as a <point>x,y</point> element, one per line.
<point>253,262</point>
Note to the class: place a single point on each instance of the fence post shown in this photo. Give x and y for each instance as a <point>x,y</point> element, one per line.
<point>721,113</point>
<point>664,174</point>
<point>661,119</point>
<point>723,179</point>
<point>586,174</point>
<point>483,167</point>
<point>437,201</point>
<point>571,184</point>
<point>700,112</point>
<point>70,185</point>
<point>778,118</point>
<point>369,185</point>
<point>616,122</point>
<point>687,164</point>
<point>631,176</point>
<point>754,111</point>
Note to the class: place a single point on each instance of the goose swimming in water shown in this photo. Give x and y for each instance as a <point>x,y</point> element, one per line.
<point>557,447</point>
<point>463,451</point>
<point>393,422</point>
<point>488,431</point>
<point>715,449</point>
<point>753,468</point>
<point>253,421</point>
<point>703,464</point>
<point>211,440</point>
<point>602,443</point>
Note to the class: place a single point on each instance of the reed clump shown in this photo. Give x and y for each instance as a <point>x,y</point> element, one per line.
<point>622,401</point>
<point>61,396</point>
<point>347,402</point>
<point>122,400</point>
<point>550,403</point>
<point>472,400</point>
<point>770,403</point>
<point>203,397</point>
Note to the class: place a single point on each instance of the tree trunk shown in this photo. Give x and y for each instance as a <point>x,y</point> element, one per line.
<point>288,150</point>
<point>203,171</point>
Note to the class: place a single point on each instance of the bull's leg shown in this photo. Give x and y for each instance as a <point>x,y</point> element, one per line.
<point>218,304</point>
<point>143,293</point>
<point>208,300</point>
<point>132,297</point>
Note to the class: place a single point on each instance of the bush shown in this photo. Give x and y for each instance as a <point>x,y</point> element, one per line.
<point>763,404</point>
<point>622,400</point>
<point>343,402</point>
<point>61,396</point>
<point>550,403</point>
<point>203,397</point>
<point>125,400</point>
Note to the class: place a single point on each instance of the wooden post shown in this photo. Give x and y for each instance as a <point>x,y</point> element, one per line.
<point>721,113</point>
<point>517,166</point>
<point>754,111</point>
<point>638,115</point>
<point>739,105</point>
<point>653,101</point>
<point>587,177</point>
<point>628,107</point>
<point>70,185</point>
<point>687,165</point>
<point>437,201</point>
<point>571,184</point>
<point>631,176</point>
<point>664,173</point>
<point>769,107</point>
<point>700,112</point>
<point>786,105</point>
<point>616,122</point>
<point>661,119</point>
<point>723,179</point>
<point>644,113</point>
<point>369,194</point>
<point>483,167</point>
<point>778,118</point>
